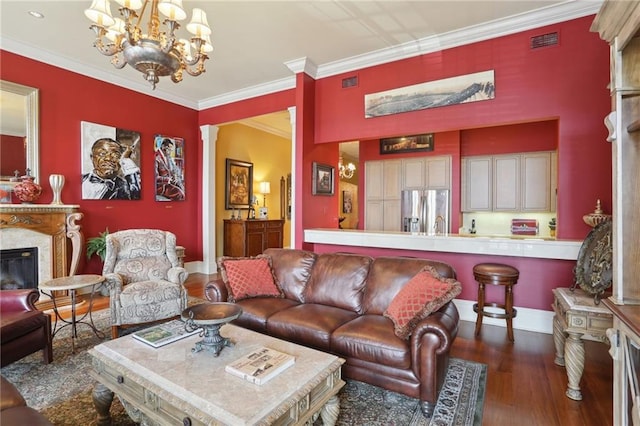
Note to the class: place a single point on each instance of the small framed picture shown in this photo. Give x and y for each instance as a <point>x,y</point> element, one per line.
<point>322,179</point>
<point>347,202</point>
<point>238,184</point>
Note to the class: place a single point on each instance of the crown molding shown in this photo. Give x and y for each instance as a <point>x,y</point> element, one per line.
<point>249,92</point>
<point>497,28</point>
<point>265,128</point>
<point>40,55</point>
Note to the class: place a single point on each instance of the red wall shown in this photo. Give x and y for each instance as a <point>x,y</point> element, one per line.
<point>68,98</point>
<point>565,83</point>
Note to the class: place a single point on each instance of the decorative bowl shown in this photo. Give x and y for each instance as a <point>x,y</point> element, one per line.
<point>210,317</point>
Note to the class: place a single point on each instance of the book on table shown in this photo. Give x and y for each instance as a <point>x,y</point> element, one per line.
<point>164,334</point>
<point>261,365</point>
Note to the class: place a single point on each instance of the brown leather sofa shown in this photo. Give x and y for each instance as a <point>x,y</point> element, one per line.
<point>335,303</point>
<point>23,328</point>
<point>14,410</point>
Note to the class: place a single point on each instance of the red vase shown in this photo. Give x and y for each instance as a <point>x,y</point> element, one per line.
<point>27,191</point>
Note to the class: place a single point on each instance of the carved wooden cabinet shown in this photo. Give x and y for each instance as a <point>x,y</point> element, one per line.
<point>618,22</point>
<point>251,237</point>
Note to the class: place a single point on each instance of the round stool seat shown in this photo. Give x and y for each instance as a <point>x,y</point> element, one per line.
<point>495,274</point>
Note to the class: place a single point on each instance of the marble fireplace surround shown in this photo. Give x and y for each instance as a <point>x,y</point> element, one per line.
<point>53,229</point>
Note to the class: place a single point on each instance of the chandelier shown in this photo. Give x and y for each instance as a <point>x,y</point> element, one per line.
<point>154,53</point>
<point>345,171</point>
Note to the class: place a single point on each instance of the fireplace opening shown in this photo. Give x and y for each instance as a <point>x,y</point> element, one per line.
<point>19,268</point>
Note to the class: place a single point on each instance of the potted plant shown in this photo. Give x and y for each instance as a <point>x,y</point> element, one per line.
<point>98,245</point>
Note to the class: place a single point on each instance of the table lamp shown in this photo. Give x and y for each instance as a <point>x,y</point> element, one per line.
<point>265,188</point>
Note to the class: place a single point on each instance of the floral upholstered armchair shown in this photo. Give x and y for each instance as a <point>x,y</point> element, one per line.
<point>144,278</point>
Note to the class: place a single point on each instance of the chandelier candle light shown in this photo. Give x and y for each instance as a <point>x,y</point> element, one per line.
<point>345,171</point>
<point>154,53</point>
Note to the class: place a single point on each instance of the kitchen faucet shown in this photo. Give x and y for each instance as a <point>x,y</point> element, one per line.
<point>440,225</point>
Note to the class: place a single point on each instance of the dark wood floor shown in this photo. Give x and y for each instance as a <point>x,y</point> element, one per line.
<point>524,386</point>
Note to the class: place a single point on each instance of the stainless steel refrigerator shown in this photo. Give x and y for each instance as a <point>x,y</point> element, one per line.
<point>425,210</point>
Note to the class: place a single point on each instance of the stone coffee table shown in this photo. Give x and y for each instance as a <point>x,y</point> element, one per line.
<point>175,385</point>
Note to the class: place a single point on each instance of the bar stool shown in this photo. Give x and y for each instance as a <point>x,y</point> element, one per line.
<point>496,274</point>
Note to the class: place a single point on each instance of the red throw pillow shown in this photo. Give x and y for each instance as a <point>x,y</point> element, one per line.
<point>247,277</point>
<point>425,293</point>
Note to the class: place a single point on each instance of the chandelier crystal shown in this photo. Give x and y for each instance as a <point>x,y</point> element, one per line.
<point>154,53</point>
<point>345,171</point>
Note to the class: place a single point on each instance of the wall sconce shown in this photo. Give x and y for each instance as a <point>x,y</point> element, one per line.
<point>264,189</point>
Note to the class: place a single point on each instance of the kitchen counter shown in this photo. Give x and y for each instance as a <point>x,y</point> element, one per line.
<point>501,245</point>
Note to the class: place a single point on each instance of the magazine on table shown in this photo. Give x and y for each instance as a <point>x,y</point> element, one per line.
<point>164,334</point>
<point>261,365</point>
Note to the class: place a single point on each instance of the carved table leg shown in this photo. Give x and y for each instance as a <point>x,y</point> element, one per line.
<point>559,337</point>
<point>102,399</point>
<point>330,411</point>
<point>574,357</point>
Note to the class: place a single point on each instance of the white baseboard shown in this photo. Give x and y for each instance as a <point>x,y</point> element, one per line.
<point>197,267</point>
<point>527,319</point>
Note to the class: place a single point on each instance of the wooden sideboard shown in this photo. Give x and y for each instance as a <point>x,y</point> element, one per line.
<point>249,237</point>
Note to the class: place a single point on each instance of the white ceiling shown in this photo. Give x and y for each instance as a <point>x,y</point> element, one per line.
<point>255,40</point>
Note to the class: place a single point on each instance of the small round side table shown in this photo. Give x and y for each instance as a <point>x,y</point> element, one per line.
<point>72,284</point>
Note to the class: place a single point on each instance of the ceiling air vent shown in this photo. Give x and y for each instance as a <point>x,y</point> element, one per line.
<point>350,82</point>
<point>544,40</point>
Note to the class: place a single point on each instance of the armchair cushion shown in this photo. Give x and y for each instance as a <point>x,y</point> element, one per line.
<point>425,293</point>
<point>248,277</point>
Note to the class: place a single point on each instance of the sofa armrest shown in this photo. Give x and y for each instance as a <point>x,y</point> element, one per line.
<point>216,291</point>
<point>23,300</point>
<point>431,342</point>
<point>443,323</point>
<point>114,282</point>
<point>177,275</point>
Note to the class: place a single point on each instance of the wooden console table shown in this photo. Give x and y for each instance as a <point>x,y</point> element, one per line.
<point>576,315</point>
<point>243,238</point>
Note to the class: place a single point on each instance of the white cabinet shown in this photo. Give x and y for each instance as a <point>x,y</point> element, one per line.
<point>438,172</point>
<point>382,195</point>
<point>391,179</point>
<point>426,172</point>
<point>506,183</point>
<point>536,182</point>
<point>413,173</point>
<point>477,181</point>
<point>524,182</point>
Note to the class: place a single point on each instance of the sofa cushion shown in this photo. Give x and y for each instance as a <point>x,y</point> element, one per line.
<point>247,277</point>
<point>425,293</point>
<point>338,280</point>
<point>388,275</point>
<point>308,324</point>
<point>18,324</point>
<point>292,269</point>
<point>371,338</point>
<point>256,311</point>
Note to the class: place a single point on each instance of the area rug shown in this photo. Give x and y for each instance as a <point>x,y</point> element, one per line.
<point>62,390</point>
